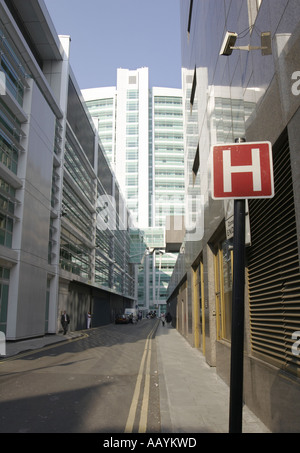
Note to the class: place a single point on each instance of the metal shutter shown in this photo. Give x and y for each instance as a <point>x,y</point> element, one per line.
<point>273,268</point>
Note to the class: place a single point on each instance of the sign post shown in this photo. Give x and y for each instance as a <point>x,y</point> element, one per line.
<point>237,324</point>
<point>240,171</point>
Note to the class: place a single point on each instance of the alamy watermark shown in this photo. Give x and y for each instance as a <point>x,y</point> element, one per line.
<point>2,83</point>
<point>296,84</point>
<point>189,217</point>
<point>296,345</point>
<point>2,344</point>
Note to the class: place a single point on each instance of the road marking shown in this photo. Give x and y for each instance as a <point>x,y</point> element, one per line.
<point>135,398</point>
<point>145,404</point>
<point>132,411</point>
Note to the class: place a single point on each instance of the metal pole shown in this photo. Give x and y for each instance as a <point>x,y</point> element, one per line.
<point>237,328</point>
<point>158,288</point>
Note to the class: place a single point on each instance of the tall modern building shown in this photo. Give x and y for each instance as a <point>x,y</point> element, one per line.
<point>102,108</point>
<point>141,129</point>
<point>64,245</point>
<point>122,116</point>
<point>166,157</point>
<point>252,94</point>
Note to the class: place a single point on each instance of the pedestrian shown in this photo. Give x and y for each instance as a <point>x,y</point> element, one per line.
<point>168,317</point>
<point>65,321</point>
<point>162,317</point>
<point>89,320</point>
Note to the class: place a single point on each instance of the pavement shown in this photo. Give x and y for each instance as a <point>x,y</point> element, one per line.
<point>193,398</point>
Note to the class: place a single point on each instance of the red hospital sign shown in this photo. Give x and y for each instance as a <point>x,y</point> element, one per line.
<point>242,170</point>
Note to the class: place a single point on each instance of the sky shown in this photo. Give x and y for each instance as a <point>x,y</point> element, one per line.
<point>111,34</point>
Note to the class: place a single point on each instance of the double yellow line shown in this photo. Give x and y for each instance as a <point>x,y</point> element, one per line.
<point>137,390</point>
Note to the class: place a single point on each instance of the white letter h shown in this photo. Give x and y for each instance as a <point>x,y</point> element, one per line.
<point>228,169</point>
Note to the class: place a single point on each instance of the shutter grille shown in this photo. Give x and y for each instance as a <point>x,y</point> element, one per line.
<point>273,268</point>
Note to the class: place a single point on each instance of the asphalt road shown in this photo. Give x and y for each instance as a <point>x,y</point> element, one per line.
<point>105,382</point>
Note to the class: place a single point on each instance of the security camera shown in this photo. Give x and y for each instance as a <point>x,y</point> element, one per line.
<point>228,43</point>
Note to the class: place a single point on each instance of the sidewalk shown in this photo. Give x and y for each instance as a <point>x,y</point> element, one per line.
<point>194,399</point>
<point>17,347</point>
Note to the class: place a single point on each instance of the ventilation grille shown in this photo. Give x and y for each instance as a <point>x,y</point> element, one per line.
<point>273,263</point>
<point>132,80</point>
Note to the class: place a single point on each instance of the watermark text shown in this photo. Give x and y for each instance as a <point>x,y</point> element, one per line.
<point>296,84</point>
<point>2,344</point>
<point>189,216</point>
<point>2,83</point>
<point>296,345</point>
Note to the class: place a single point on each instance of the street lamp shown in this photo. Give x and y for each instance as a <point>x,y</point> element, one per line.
<point>161,252</point>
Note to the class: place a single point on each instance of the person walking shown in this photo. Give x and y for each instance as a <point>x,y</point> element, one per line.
<point>168,317</point>
<point>89,320</point>
<point>162,317</point>
<point>65,321</point>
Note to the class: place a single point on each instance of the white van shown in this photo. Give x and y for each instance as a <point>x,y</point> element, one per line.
<point>132,312</point>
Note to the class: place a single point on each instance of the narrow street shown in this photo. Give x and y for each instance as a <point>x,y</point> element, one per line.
<point>103,382</point>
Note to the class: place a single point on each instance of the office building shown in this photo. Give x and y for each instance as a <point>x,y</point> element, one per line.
<point>150,167</point>
<point>252,94</point>
<point>141,129</point>
<point>64,230</point>
<point>122,116</point>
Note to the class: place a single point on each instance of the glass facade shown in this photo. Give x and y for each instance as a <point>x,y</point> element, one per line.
<point>7,207</point>
<point>14,82</point>
<point>103,111</point>
<point>13,68</point>
<point>57,249</point>
<point>108,265</point>
<point>132,180</point>
<point>250,94</point>
<point>149,158</point>
<point>15,75</point>
<point>168,157</point>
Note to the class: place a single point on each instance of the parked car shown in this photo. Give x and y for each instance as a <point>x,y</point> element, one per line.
<point>122,319</point>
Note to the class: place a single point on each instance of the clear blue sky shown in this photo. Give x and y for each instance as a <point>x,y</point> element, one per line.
<point>111,34</point>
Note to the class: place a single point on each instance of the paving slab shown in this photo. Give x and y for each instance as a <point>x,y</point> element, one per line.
<point>194,399</point>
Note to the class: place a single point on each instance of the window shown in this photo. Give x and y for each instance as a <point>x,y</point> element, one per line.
<point>12,80</point>
<point>132,94</point>
<point>132,130</point>
<point>132,167</point>
<point>102,273</point>
<point>8,153</point>
<point>77,212</point>
<point>7,207</point>
<point>168,100</point>
<point>132,180</point>
<point>99,103</point>
<point>77,167</point>
<point>74,255</point>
